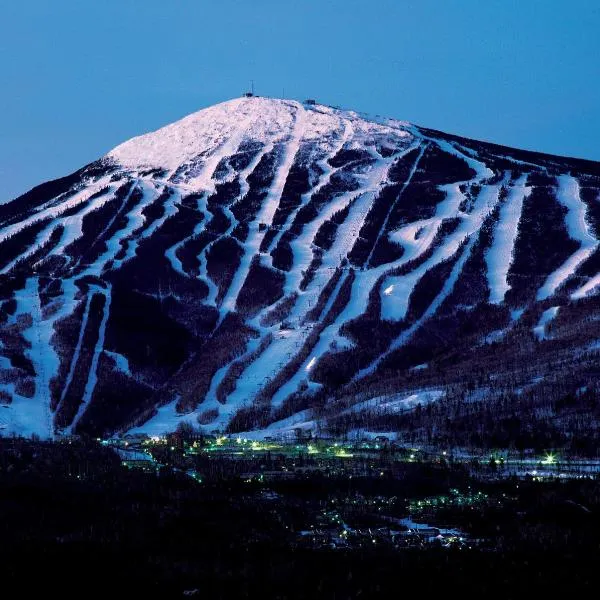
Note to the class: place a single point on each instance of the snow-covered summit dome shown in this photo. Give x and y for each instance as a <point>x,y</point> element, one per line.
<point>254,119</point>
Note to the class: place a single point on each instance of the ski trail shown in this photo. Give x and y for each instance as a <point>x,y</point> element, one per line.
<point>100,236</point>
<point>48,362</point>
<point>321,347</point>
<point>42,238</point>
<point>398,289</point>
<point>135,220</point>
<point>93,374</point>
<point>265,214</point>
<point>587,288</point>
<point>431,310</point>
<point>423,148</point>
<point>324,179</point>
<point>395,299</point>
<point>287,343</point>
<point>56,211</point>
<point>233,222</point>
<point>170,209</point>
<point>540,329</point>
<point>499,256</point>
<point>205,182</point>
<point>121,362</point>
<point>77,352</point>
<point>33,415</point>
<point>578,229</point>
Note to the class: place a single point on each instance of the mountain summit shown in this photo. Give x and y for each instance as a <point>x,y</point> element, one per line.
<point>265,263</point>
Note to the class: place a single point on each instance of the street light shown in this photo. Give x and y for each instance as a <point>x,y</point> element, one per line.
<point>549,459</point>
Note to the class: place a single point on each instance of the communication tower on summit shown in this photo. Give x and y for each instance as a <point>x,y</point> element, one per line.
<point>251,92</point>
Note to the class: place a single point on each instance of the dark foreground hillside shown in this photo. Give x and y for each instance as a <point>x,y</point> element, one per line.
<point>77,524</point>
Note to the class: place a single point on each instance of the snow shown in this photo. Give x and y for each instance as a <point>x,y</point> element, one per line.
<point>344,240</point>
<point>256,118</point>
<point>335,143</point>
<point>422,149</point>
<point>189,152</point>
<point>286,345</point>
<point>547,316</point>
<point>73,222</point>
<point>397,402</point>
<point>92,375</point>
<point>586,289</point>
<point>578,230</point>
<point>76,354</point>
<point>136,216</point>
<point>515,314</point>
<point>121,363</point>
<point>267,210</point>
<point>394,303</point>
<point>285,428</point>
<point>42,238</point>
<point>27,416</point>
<point>165,420</point>
<point>499,257</point>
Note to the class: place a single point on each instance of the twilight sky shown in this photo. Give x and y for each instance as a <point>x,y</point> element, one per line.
<point>79,77</point>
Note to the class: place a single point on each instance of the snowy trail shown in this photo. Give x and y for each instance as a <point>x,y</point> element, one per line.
<point>321,347</point>
<point>205,183</point>
<point>499,256</point>
<point>265,214</point>
<point>42,238</point>
<point>431,310</point>
<point>133,242</point>
<point>93,373</point>
<point>586,289</point>
<point>118,213</point>
<point>578,229</point>
<point>398,289</point>
<point>76,354</point>
<point>547,316</point>
<point>327,172</point>
<point>394,302</point>
<point>44,357</point>
<point>33,415</point>
<point>57,210</point>
<point>401,193</point>
<point>286,344</point>
<point>289,287</point>
<point>233,222</point>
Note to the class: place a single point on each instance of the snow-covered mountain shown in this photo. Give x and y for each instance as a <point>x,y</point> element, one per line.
<point>265,260</point>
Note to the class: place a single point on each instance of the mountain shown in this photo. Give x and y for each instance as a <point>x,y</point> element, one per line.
<point>267,263</point>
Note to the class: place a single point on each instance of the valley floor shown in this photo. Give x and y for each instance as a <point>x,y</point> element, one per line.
<point>177,517</point>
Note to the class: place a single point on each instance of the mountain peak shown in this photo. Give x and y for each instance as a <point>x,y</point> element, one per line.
<point>253,119</point>
<point>271,263</point>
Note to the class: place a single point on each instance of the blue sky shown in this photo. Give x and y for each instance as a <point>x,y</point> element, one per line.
<point>80,77</point>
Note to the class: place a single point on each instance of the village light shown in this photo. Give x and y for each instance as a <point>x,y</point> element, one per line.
<point>549,459</point>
